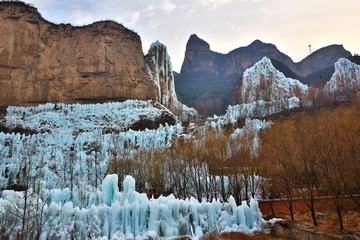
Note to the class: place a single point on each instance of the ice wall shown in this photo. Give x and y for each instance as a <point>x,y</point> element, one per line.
<point>76,142</point>
<point>129,214</point>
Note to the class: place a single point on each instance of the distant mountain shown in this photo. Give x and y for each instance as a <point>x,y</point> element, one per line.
<point>318,67</point>
<point>210,81</point>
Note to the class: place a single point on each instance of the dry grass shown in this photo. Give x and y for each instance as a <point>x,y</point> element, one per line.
<point>329,223</point>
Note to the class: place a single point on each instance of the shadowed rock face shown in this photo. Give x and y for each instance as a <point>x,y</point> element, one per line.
<point>199,57</point>
<point>43,62</point>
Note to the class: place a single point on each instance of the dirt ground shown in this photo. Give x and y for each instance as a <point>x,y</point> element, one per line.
<point>328,222</point>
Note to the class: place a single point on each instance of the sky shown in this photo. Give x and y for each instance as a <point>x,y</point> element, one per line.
<point>225,24</point>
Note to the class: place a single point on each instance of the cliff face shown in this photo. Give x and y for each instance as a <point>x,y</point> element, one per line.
<point>159,69</point>
<point>199,57</point>
<point>44,62</point>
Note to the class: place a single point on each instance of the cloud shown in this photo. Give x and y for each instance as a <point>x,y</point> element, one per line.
<point>165,6</point>
<point>168,6</point>
<point>225,24</point>
<point>80,17</point>
<point>213,4</point>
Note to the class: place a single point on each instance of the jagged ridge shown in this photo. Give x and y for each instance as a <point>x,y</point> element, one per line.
<point>210,81</point>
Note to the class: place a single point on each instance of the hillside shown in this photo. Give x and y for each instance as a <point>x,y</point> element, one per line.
<point>62,167</point>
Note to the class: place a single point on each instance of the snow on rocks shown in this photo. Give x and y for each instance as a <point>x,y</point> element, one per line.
<point>264,82</point>
<point>346,79</point>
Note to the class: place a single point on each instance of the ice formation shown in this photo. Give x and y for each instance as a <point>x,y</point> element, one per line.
<point>259,109</point>
<point>75,143</point>
<point>64,164</point>
<point>129,214</point>
<point>264,82</point>
<point>346,79</point>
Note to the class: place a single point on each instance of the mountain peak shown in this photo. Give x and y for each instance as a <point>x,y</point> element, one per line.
<point>257,42</point>
<point>258,45</point>
<point>322,58</point>
<point>196,43</point>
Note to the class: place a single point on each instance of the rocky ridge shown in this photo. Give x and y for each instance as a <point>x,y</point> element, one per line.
<point>159,68</point>
<point>43,62</point>
<point>203,68</point>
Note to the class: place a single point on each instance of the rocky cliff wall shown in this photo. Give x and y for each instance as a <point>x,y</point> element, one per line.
<point>159,69</point>
<point>43,62</point>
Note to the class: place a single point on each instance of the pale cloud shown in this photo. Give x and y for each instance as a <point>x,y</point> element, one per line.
<point>165,6</point>
<point>153,24</point>
<point>79,17</point>
<point>168,6</point>
<point>133,17</point>
<point>214,4</point>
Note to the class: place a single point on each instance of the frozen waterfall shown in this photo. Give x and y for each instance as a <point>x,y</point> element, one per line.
<point>129,214</point>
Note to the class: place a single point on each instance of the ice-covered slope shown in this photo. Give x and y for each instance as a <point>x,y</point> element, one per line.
<point>264,82</point>
<point>345,81</point>
<point>76,142</point>
<point>108,117</point>
<point>265,91</point>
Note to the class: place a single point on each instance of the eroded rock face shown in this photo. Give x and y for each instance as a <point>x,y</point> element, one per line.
<point>43,62</point>
<point>159,69</point>
<point>199,57</point>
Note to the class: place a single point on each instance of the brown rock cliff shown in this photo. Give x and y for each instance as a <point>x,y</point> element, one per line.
<point>43,62</point>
